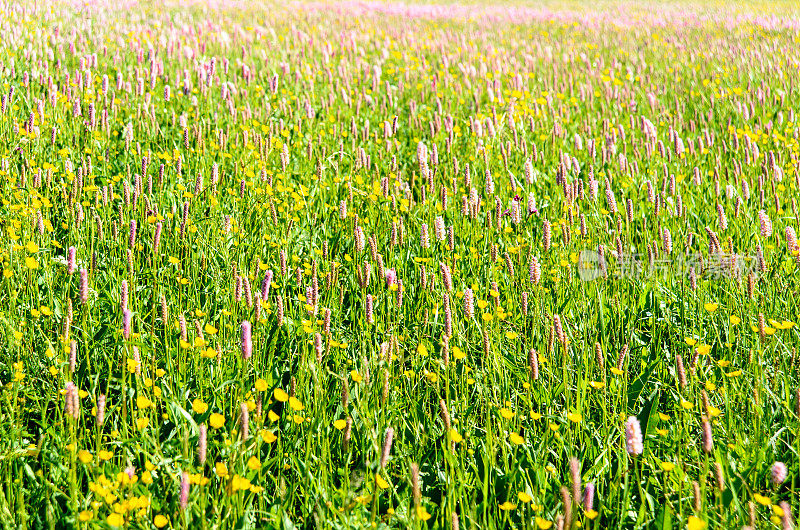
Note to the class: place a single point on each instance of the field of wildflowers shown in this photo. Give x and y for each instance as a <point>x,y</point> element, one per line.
<point>375,264</point>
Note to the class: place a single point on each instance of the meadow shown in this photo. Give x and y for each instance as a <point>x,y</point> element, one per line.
<point>387,265</point>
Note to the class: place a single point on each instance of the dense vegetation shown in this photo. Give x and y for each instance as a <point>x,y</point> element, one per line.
<point>372,264</point>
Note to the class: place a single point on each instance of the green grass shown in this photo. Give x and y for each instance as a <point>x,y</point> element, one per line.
<point>253,179</point>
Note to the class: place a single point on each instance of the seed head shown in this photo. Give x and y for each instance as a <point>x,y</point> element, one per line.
<point>634,443</point>
<point>778,473</point>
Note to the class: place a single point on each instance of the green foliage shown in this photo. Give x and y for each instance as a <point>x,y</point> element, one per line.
<point>495,233</point>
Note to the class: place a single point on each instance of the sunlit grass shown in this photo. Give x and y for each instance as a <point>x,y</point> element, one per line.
<point>399,265</point>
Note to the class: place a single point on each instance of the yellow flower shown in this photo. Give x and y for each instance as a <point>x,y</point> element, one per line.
<point>422,350</point>
<point>667,466</point>
<point>543,524</point>
<point>508,506</point>
<point>516,439</point>
<point>524,497</point>
<point>423,514</point>
<point>458,353</point>
<point>199,406</point>
<point>280,395</point>
<point>711,307</point>
<point>261,385</point>
<point>133,364</point>
<point>382,484</point>
<point>735,320</point>
<point>31,263</point>
<point>115,519</point>
<point>254,463</point>
<point>221,469</point>
<point>104,454</point>
<point>695,523</point>
<point>84,456</point>
<point>239,483</point>
<point>86,515</point>
<point>511,335</point>
<point>295,404</point>
<point>455,437</point>
<point>506,413</point>
<point>690,341</point>
<point>160,521</point>
<point>762,500</point>
<point>704,349</point>
<point>574,417</point>
<point>591,514</point>
<point>339,424</point>
<point>142,423</point>
<point>216,420</point>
